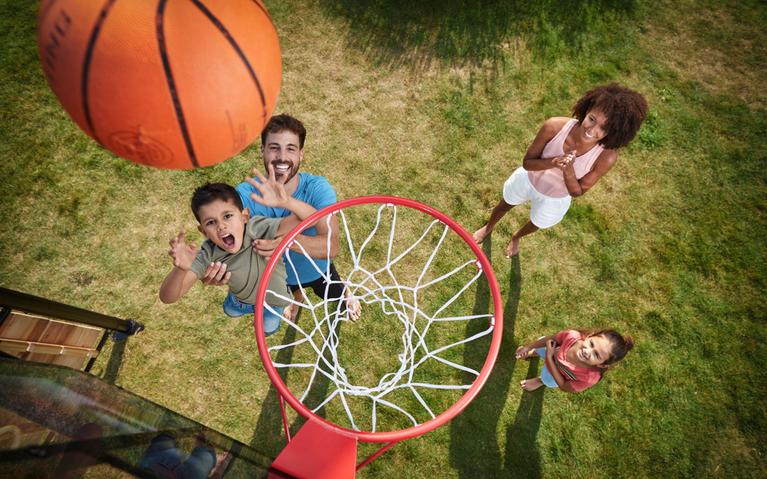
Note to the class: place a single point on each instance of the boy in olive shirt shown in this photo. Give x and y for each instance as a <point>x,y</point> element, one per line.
<point>230,233</point>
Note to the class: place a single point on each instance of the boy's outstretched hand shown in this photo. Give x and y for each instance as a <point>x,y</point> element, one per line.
<point>273,192</point>
<point>183,253</point>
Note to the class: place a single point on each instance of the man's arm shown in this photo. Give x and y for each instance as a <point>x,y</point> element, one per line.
<point>273,195</point>
<point>317,246</point>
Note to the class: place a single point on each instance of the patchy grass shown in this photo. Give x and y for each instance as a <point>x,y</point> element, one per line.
<point>438,102</point>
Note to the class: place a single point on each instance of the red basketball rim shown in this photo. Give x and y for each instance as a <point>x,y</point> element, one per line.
<point>445,416</point>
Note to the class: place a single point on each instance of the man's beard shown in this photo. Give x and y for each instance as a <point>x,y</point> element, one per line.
<point>288,174</point>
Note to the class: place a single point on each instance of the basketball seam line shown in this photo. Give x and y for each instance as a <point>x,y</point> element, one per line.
<point>44,9</point>
<point>160,20</point>
<point>87,65</point>
<point>215,21</point>
<point>263,9</point>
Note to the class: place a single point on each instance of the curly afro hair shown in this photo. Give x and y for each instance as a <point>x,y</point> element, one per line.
<point>625,110</point>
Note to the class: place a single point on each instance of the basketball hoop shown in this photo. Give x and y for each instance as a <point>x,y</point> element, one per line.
<point>397,372</point>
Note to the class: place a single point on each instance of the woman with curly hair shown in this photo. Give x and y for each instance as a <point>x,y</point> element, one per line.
<point>567,157</point>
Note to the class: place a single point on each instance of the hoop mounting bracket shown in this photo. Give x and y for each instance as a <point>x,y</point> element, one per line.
<point>318,452</point>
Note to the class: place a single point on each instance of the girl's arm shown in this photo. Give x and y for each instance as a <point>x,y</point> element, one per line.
<point>551,365</point>
<point>578,187</point>
<point>533,160</point>
<point>524,351</point>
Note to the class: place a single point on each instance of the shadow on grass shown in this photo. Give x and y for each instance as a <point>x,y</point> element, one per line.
<point>522,456</point>
<point>115,360</point>
<point>268,437</point>
<point>469,32</point>
<point>474,448</point>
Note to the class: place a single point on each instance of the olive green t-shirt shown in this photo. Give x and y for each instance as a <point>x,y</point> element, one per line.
<point>247,266</point>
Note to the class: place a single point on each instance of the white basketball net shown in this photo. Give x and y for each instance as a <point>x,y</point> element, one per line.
<point>398,300</point>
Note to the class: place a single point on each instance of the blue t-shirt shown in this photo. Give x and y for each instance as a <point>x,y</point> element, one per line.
<point>313,190</point>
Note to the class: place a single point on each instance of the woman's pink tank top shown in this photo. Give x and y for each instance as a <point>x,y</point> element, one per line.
<point>551,182</point>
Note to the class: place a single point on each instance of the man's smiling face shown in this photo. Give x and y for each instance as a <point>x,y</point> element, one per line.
<point>282,150</point>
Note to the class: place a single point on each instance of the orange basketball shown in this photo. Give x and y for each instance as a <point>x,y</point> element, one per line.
<point>167,83</point>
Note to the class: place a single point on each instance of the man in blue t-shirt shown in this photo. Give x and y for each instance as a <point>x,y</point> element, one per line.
<point>282,147</point>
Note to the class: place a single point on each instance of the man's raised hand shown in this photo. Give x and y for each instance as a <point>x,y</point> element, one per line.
<point>273,192</point>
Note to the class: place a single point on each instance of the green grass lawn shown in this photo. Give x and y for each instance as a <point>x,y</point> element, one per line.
<point>438,101</point>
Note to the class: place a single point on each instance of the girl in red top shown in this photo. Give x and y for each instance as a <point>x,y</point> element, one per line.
<point>574,360</point>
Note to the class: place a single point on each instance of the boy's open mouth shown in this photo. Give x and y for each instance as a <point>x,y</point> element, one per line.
<point>228,240</point>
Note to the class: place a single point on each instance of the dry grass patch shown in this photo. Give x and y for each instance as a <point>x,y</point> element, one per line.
<point>717,45</point>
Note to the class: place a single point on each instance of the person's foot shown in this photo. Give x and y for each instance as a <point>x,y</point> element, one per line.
<point>353,306</point>
<point>480,235</point>
<point>290,312</point>
<point>298,297</point>
<point>513,248</point>
<point>531,384</point>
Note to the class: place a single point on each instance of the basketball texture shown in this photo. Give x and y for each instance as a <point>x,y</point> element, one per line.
<point>168,83</point>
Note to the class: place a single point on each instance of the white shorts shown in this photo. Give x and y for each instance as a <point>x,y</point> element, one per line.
<point>545,211</point>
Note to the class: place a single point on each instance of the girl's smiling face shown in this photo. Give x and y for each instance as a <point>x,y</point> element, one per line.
<point>593,350</point>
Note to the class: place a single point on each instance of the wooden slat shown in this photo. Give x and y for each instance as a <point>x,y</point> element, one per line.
<point>17,346</point>
<point>29,327</point>
<point>36,338</point>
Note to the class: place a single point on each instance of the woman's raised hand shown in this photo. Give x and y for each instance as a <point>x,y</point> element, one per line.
<point>563,161</point>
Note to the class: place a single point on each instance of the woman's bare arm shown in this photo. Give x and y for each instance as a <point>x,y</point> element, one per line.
<point>533,160</point>
<point>578,187</point>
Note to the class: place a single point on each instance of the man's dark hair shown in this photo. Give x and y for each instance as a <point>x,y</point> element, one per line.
<point>284,122</point>
<point>625,111</point>
<point>210,192</point>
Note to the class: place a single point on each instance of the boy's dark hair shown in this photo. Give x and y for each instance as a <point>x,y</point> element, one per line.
<point>625,110</point>
<point>284,122</point>
<point>210,192</point>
